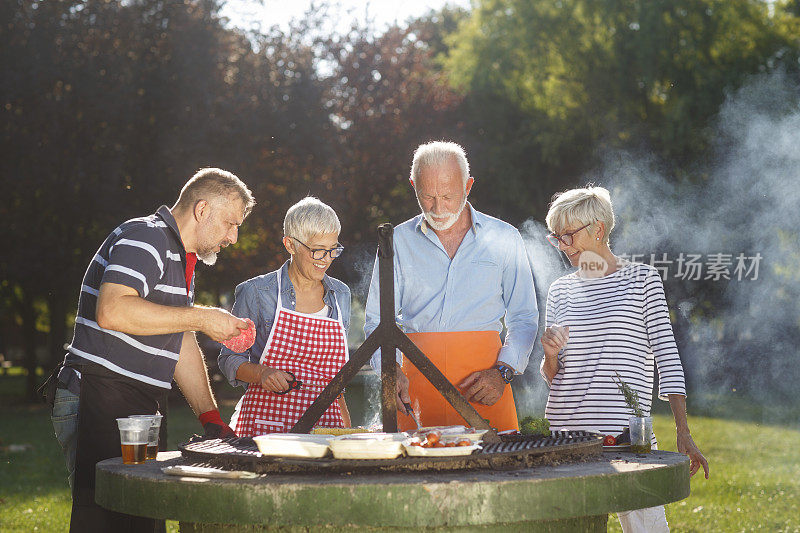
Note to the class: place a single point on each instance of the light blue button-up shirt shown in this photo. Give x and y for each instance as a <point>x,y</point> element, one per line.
<point>488,282</point>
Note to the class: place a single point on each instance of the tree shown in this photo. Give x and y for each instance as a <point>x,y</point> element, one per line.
<point>386,98</point>
<point>551,85</point>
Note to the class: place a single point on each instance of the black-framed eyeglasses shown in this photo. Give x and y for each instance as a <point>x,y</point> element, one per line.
<point>318,254</point>
<point>565,239</point>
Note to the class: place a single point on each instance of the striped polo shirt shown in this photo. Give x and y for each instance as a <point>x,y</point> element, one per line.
<point>617,324</point>
<point>147,255</point>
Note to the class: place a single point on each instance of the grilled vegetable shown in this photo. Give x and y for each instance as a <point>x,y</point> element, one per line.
<point>534,426</point>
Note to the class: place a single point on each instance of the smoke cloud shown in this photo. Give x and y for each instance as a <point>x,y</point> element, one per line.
<point>739,218</point>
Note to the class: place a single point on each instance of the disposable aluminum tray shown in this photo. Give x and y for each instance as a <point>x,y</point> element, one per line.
<point>516,452</point>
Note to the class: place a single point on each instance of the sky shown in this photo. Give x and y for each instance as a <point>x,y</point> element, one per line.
<point>250,14</point>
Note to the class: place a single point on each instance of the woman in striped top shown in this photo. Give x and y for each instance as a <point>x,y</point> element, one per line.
<point>608,317</point>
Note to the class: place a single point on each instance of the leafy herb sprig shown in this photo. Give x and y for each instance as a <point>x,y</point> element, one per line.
<point>630,395</point>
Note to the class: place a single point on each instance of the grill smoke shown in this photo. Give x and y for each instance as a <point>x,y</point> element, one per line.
<point>738,338</point>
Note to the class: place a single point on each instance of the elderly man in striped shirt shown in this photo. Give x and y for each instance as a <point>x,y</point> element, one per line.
<point>134,333</point>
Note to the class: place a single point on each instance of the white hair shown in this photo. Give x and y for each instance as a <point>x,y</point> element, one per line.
<point>439,153</point>
<point>310,217</point>
<point>580,207</point>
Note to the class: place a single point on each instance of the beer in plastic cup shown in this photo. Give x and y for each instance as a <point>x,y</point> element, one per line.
<point>152,437</point>
<point>133,438</point>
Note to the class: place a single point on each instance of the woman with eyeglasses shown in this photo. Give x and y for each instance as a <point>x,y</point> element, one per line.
<point>302,316</point>
<point>608,318</point>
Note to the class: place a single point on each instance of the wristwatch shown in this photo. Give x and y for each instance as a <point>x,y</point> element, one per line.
<point>506,372</point>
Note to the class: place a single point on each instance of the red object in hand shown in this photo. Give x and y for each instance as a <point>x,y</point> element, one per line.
<point>610,440</point>
<point>244,340</point>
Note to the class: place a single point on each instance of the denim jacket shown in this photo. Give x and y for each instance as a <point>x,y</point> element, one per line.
<point>257,299</point>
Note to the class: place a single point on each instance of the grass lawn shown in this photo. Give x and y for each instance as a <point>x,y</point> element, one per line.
<point>34,493</point>
<point>754,485</point>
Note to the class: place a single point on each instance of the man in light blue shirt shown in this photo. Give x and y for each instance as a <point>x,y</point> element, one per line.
<point>459,276</point>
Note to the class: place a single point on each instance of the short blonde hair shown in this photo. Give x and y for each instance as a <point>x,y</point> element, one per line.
<point>439,153</point>
<point>580,207</point>
<point>310,217</point>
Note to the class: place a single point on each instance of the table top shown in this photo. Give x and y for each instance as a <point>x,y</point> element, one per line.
<point>610,482</point>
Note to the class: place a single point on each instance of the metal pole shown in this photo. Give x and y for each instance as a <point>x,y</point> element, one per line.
<point>388,319</point>
<point>332,391</point>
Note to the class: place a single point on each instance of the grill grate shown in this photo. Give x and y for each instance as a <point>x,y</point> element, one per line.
<point>514,452</point>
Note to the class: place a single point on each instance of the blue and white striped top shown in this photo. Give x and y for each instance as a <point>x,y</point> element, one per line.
<point>617,323</point>
<point>146,254</point>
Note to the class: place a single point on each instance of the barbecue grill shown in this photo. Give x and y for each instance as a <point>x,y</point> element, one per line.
<point>565,497</point>
<point>242,454</point>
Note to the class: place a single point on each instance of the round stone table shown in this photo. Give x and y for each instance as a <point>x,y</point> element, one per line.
<point>568,497</point>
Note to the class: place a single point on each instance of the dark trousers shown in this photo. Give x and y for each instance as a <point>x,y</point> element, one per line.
<point>106,396</point>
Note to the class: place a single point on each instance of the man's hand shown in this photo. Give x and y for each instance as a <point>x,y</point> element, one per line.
<point>214,427</point>
<point>220,325</point>
<point>554,339</point>
<point>485,386</point>
<point>274,380</point>
<point>402,391</point>
<point>687,446</point>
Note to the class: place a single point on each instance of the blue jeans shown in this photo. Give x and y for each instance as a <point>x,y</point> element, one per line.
<point>65,424</point>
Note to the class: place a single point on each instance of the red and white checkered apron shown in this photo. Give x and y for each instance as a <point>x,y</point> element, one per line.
<point>311,347</point>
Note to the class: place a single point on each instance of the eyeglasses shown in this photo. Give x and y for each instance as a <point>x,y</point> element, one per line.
<point>565,239</point>
<point>318,254</point>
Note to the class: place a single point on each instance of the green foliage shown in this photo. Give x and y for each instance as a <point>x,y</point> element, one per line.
<point>631,396</point>
<point>551,84</point>
<point>108,106</point>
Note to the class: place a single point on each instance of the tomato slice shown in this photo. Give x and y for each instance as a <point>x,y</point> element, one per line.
<point>433,437</point>
<point>610,440</point>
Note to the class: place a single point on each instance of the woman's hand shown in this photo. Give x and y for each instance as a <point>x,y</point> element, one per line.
<point>554,339</point>
<point>687,446</point>
<point>274,380</point>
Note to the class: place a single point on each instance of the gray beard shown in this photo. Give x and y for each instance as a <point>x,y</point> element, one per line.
<point>448,223</point>
<point>208,258</point>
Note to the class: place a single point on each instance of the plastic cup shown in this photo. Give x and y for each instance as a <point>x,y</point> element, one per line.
<point>641,433</point>
<point>152,435</point>
<point>133,434</point>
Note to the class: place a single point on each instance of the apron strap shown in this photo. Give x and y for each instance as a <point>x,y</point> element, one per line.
<point>280,303</point>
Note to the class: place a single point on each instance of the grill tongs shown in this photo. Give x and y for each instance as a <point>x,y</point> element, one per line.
<point>412,414</point>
